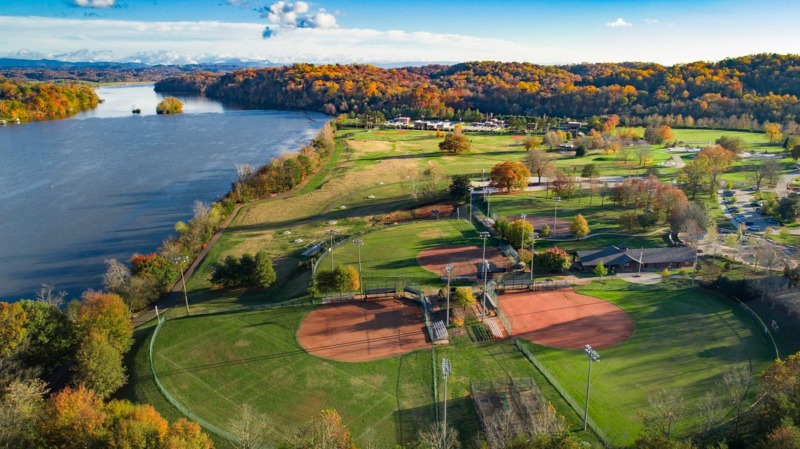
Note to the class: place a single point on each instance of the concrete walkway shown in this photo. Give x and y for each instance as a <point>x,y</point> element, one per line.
<point>648,278</point>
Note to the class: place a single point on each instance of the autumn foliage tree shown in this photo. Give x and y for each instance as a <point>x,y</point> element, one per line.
<point>579,226</point>
<point>455,143</point>
<point>716,160</point>
<point>12,327</point>
<point>169,105</point>
<point>510,175</point>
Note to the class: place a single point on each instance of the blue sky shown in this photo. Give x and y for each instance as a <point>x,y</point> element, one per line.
<point>547,32</point>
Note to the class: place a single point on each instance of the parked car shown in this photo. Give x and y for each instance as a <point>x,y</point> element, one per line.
<point>739,219</point>
<point>748,223</point>
<point>733,210</point>
<point>772,221</point>
<point>755,228</point>
<point>757,203</point>
<point>728,193</point>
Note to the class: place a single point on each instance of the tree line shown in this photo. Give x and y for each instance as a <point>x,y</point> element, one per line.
<point>742,93</point>
<point>43,101</point>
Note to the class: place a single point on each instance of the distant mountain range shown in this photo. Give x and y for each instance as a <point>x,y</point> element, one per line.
<point>225,66</point>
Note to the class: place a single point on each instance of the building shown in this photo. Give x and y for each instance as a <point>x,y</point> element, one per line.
<point>621,258</point>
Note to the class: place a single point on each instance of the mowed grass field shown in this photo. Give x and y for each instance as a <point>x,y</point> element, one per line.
<point>685,339</point>
<point>392,251</point>
<point>215,364</point>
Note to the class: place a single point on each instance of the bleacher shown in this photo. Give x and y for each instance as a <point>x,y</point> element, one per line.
<point>494,329</point>
<point>440,331</point>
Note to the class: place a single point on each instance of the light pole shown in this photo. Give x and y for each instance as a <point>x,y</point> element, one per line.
<point>483,299</point>
<point>469,189</point>
<point>488,198</point>
<point>331,233</point>
<point>694,238</point>
<point>449,269</point>
<point>556,199</point>
<point>358,243</point>
<point>522,225</point>
<point>533,241</point>
<point>593,357</point>
<point>180,260</point>
<point>446,373</point>
<point>485,267</point>
<point>483,180</point>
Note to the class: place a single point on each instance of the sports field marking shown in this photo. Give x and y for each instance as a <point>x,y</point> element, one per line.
<point>168,360</point>
<point>190,346</point>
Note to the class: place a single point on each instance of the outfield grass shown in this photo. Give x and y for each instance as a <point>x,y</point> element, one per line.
<point>684,339</point>
<point>214,364</point>
<point>392,251</point>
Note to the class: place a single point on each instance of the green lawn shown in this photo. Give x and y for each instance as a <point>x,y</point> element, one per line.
<point>684,339</point>
<point>214,364</point>
<point>392,251</point>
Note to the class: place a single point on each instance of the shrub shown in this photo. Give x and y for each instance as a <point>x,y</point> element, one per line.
<point>169,105</point>
<point>464,297</point>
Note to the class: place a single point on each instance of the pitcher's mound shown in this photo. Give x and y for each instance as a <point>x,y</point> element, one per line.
<point>565,319</point>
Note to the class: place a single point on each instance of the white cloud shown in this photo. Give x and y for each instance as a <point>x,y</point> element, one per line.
<point>207,42</point>
<point>285,15</point>
<point>95,3</point>
<point>651,21</point>
<point>619,23</point>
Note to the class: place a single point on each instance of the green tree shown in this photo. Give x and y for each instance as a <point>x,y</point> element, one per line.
<point>694,175</point>
<point>516,230</point>
<point>510,175</point>
<point>342,278</point>
<point>735,144</point>
<point>600,270</point>
<point>264,271</point>
<point>169,105</point>
<point>789,208</point>
<point>455,143</point>
<point>545,231</point>
<point>12,327</point>
<point>459,186</point>
<point>590,171</point>
<point>464,297</point>
<point>98,365</point>
<point>795,152</point>
<point>50,339</point>
<point>579,226</point>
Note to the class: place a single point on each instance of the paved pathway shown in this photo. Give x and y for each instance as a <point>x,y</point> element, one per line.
<point>782,188</point>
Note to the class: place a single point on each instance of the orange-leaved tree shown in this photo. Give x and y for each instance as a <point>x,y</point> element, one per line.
<point>510,175</point>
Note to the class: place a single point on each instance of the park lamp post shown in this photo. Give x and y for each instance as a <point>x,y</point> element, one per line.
<point>180,260</point>
<point>445,373</point>
<point>593,357</point>
<point>483,179</point>
<point>694,238</point>
<point>641,257</point>
<point>449,269</point>
<point>556,199</point>
<point>488,198</point>
<point>358,243</point>
<point>331,233</point>
<point>522,225</point>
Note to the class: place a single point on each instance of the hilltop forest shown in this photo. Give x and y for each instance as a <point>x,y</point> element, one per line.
<point>40,101</point>
<point>740,93</point>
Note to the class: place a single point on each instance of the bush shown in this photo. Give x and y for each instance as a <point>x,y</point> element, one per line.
<point>552,260</point>
<point>248,271</point>
<point>464,297</point>
<point>342,278</point>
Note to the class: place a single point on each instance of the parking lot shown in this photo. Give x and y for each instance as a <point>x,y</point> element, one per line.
<point>744,210</point>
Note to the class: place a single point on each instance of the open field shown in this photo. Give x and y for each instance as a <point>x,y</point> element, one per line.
<point>684,339</point>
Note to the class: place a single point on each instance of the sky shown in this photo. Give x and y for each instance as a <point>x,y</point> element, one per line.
<point>384,32</point>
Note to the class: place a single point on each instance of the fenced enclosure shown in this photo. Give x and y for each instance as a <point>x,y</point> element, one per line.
<point>506,407</point>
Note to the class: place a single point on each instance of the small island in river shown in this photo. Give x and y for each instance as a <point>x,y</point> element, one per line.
<point>169,105</point>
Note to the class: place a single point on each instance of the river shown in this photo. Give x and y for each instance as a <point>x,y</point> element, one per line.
<point>106,183</point>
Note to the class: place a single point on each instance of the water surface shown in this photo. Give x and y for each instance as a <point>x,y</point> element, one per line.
<point>106,183</point>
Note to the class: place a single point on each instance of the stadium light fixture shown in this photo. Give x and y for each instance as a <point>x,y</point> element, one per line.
<point>449,269</point>
<point>593,357</point>
<point>359,243</point>
<point>446,373</point>
<point>556,200</point>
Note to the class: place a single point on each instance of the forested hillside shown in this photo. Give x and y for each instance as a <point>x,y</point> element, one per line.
<point>41,101</point>
<point>741,93</point>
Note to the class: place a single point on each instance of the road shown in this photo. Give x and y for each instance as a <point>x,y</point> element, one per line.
<point>782,188</point>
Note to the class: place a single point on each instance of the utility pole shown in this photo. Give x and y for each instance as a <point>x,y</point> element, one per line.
<point>331,233</point>
<point>180,260</point>
<point>484,235</point>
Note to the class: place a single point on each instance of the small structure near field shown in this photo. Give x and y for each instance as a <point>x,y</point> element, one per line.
<point>621,258</point>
